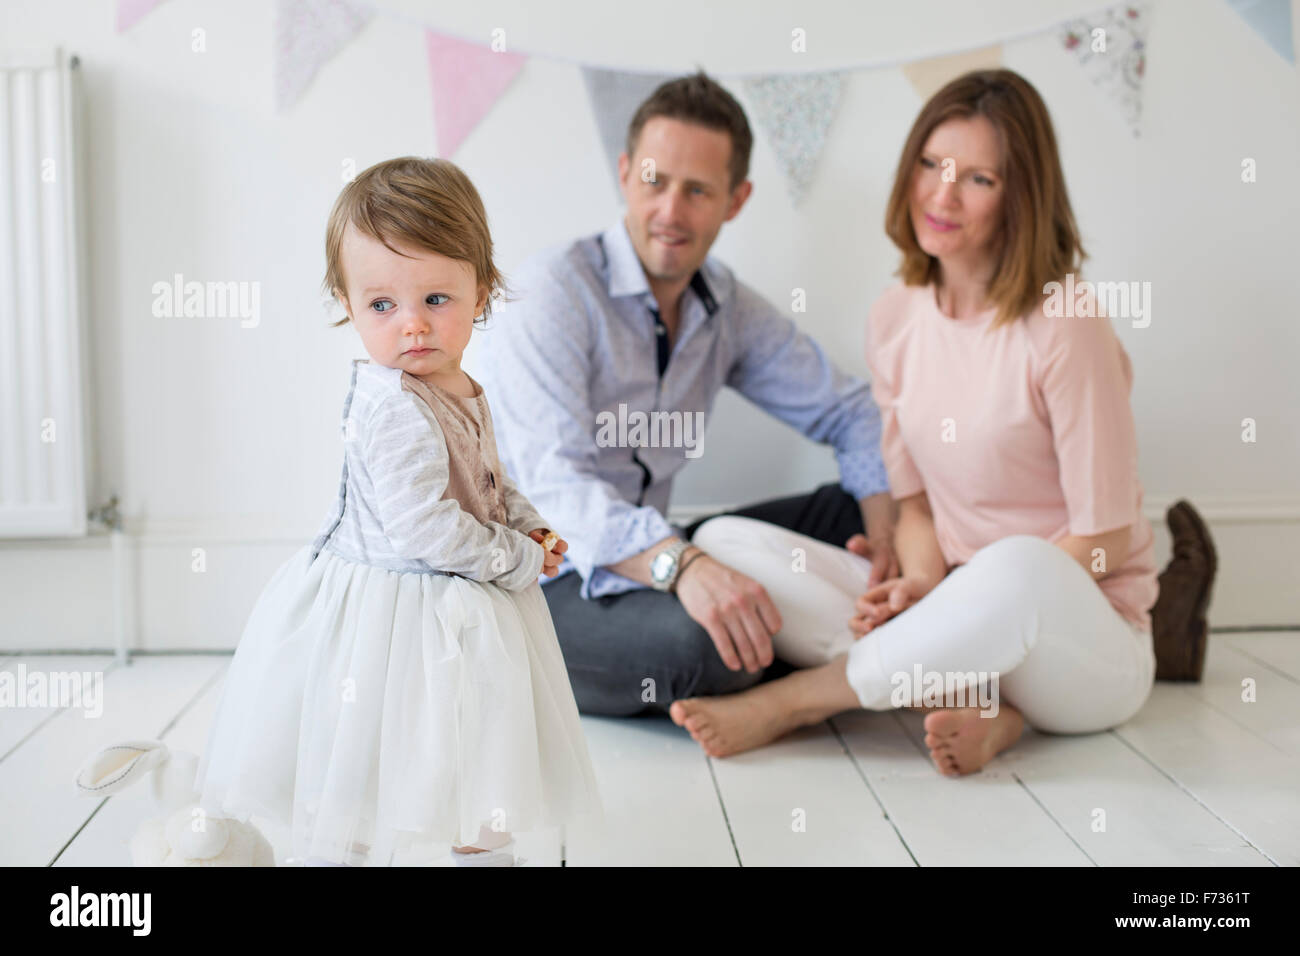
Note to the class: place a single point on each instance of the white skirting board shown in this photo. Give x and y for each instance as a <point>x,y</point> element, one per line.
<point>193,584</point>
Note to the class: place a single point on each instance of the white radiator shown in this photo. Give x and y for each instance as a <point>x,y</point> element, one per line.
<point>43,417</point>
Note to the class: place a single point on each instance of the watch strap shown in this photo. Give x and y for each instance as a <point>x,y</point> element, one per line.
<point>683,566</point>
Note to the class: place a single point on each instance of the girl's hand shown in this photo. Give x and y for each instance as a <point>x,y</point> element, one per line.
<point>550,559</point>
<point>887,599</point>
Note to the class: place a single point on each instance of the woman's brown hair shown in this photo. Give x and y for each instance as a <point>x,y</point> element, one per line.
<point>426,203</point>
<point>1038,241</point>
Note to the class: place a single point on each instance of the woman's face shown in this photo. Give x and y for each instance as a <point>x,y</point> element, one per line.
<point>956,197</point>
<point>414,311</point>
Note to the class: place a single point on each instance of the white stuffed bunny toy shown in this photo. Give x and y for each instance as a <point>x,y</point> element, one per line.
<point>183,835</point>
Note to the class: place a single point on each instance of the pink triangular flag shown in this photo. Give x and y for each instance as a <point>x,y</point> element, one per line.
<point>467,79</point>
<point>129,12</point>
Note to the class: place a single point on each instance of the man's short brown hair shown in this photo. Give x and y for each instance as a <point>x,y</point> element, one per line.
<point>698,99</point>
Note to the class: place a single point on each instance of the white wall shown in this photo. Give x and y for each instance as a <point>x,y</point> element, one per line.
<point>225,438</point>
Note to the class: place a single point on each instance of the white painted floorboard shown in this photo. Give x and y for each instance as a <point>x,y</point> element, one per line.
<point>1198,777</point>
<point>39,806</point>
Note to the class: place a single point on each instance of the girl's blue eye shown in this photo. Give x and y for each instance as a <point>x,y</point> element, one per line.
<point>435,295</point>
<point>983,180</point>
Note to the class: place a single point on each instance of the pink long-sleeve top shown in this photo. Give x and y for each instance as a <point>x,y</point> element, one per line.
<point>1023,429</point>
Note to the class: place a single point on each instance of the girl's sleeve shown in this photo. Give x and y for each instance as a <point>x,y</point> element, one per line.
<point>1085,387</point>
<point>406,456</point>
<point>520,513</point>
<point>884,359</point>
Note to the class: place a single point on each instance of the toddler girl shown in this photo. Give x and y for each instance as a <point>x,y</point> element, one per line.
<point>399,681</point>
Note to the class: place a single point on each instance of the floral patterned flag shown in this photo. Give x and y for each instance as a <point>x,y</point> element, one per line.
<point>1111,48</point>
<point>795,111</point>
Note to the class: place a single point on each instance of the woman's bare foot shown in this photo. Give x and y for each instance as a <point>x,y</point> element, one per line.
<point>733,723</point>
<point>961,741</point>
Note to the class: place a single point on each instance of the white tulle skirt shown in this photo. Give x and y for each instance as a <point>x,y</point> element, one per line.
<point>373,710</point>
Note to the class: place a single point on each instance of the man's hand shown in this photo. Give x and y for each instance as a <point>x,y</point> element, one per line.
<point>733,608</point>
<point>550,559</point>
<point>879,550</point>
<point>886,600</point>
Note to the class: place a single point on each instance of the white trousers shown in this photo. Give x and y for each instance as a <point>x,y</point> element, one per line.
<point>1021,609</point>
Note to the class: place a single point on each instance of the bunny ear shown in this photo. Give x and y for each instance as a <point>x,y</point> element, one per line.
<point>117,767</point>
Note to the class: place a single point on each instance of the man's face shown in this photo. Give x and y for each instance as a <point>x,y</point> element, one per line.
<point>678,192</point>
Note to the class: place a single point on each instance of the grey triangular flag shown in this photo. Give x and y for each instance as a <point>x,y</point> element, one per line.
<point>614,98</point>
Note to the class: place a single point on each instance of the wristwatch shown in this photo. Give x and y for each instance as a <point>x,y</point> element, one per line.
<point>664,566</point>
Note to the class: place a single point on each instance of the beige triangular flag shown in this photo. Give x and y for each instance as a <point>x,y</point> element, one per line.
<point>929,76</point>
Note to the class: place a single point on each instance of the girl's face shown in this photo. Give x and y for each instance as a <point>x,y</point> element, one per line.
<point>413,311</point>
<point>956,198</point>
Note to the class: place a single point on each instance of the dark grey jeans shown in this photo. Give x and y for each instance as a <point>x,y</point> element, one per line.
<point>639,651</point>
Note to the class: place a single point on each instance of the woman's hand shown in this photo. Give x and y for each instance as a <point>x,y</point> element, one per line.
<point>550,559</point>
<point>880,552</point>
<point>887,599</point>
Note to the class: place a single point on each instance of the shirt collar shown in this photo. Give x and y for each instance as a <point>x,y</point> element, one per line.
<point>626,277</point>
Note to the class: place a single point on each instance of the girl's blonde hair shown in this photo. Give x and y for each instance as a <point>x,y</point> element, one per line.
<point>426,203</point>
<point>1038,240</point>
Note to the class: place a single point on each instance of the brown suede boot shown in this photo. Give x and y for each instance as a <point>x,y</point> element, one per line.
<point>1178,626</point>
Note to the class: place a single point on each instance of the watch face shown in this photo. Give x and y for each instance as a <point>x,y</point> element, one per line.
<point>661,567</point>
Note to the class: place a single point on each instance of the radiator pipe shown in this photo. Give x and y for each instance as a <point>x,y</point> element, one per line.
<point>110,517</point>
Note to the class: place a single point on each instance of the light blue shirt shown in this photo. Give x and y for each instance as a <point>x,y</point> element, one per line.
<point>578,340</point>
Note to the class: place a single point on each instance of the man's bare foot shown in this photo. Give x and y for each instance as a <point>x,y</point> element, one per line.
<point>961,741</point>
<point>733,723</point>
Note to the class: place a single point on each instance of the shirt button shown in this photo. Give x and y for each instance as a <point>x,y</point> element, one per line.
<point>659,329</point>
